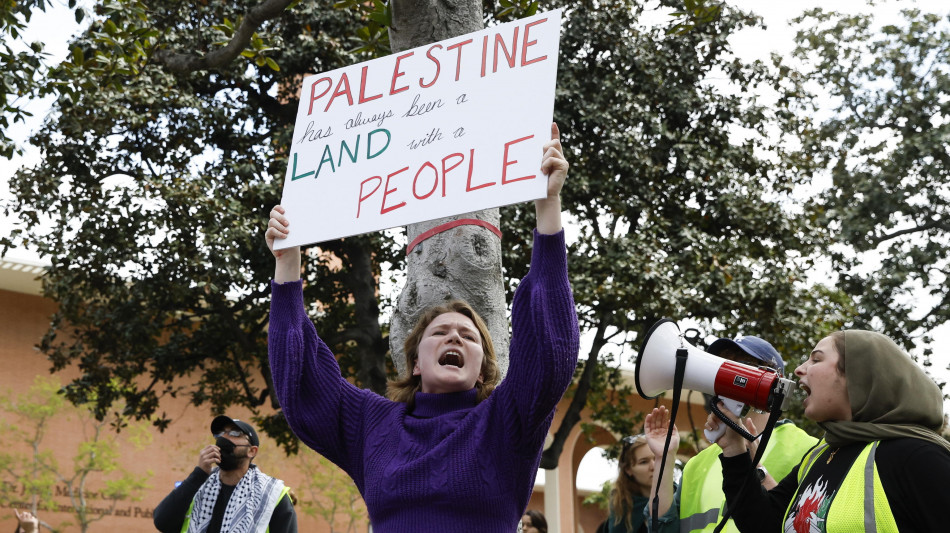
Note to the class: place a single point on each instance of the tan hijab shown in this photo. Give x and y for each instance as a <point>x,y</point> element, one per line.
<point>890,395</point>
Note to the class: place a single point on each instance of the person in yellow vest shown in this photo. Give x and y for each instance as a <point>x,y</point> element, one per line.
<point>881,466</point>
<point>697,504</point>
<point>235,496</point>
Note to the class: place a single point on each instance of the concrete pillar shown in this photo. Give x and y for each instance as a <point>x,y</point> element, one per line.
<point>565,480</point>
<point>552,502</point>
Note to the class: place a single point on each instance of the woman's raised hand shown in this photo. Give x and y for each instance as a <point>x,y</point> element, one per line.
<point>655,427</point>
<point>554,165</point>
<point>288,259</point>
<point>276,229</point>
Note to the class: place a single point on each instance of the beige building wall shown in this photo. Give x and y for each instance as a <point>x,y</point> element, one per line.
<point>170,457</point>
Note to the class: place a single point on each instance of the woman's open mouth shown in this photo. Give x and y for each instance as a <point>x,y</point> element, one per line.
<point>452,358</point>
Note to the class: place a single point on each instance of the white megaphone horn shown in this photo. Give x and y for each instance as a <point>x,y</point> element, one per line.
<point>656,369</point>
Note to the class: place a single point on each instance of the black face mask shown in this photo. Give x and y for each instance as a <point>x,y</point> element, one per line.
<point>229,461</point>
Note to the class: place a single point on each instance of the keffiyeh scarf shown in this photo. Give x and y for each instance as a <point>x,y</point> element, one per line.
<point>248,511</point>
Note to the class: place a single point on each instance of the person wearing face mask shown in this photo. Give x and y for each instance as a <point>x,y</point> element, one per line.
<point>232,497</point>
<point>697,504</point>
<point>881,465</point>
<point>448,450</point>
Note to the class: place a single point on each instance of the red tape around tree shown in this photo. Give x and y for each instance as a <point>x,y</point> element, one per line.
<point>449,225</point>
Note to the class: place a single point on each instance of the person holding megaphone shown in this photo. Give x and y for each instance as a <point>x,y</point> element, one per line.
<point>697,504</point>
<point>881,465</point>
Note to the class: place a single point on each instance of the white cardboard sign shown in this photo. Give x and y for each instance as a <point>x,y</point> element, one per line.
<point>439,130</point>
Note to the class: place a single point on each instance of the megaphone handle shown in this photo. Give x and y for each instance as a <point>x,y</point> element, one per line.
<point>727,421</point>
<point>734,407</point>
<point>774,415</point>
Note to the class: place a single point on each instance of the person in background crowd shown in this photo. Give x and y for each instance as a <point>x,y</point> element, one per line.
<point>232,497</point>
<point>631,490</point>
<point>697,505</point>
<point>534,522</point>
<point>26,522</point>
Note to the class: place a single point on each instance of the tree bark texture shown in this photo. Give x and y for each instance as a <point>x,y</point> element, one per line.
<point>465,261</point>
<point>419,22</point>
<point>461,263</point>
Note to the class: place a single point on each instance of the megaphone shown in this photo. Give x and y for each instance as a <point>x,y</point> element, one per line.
<point>656,369</point>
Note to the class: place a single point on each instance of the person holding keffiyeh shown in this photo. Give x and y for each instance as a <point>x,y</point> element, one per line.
<point>235,496</point>
<point>882,465</point>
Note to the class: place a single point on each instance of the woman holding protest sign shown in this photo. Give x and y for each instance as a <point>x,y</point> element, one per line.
<point>881,465</point>
<point>453,452</point>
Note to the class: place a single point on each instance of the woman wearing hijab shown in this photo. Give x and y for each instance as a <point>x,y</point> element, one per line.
<point>881,466</point>
<point>448,451</point>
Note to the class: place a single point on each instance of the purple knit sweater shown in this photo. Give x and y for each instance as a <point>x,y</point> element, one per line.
<point>447,464</point>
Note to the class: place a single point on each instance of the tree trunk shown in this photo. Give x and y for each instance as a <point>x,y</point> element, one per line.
<point>371,346</point>
<point>465,261</point>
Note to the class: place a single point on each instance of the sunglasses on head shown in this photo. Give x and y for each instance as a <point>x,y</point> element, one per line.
<point>629,441</point>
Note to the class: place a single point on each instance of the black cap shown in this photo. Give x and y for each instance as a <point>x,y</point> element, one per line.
<point>219,423</point>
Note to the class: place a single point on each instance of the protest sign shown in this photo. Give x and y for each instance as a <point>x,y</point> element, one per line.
<point>439,130</point>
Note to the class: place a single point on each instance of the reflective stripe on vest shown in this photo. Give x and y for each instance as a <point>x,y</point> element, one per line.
<point>698,521</point>
<point>701,496</point>
<point>184,525</point>
<point>860,504</point>
<point>283,492</point>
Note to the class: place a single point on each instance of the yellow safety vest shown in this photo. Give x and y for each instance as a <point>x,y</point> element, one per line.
<point>860,504</point>
<point>184,526</point>
<point>702,501</point>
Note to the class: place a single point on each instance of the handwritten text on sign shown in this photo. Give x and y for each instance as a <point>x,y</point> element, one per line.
<point>443,129</point>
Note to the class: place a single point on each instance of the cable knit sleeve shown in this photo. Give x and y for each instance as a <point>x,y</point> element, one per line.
<point>324,410</point>
<point>544,339</point>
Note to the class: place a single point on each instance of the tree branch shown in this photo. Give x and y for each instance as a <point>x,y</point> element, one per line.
<point>937,309</point>
<point>256,16</point>
<point>937,223</point>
